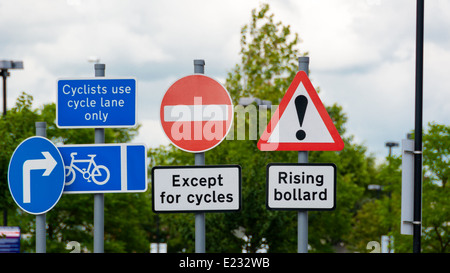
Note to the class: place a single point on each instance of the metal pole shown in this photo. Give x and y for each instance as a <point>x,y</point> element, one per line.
<point>41,130</point>
<point>200,231</point>
<point>99,201</point>
<point>302,215</point>
<point>4,73</point>
<point>417,225</point>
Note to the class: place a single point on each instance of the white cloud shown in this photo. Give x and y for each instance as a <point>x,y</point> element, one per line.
<point>436,83</point>
<point>151,134</point>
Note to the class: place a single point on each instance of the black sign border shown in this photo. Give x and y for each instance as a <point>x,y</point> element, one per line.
<point>301,164</point>
<point>197,167</point>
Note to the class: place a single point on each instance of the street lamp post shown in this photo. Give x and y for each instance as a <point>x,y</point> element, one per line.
<point>4,67</point>
<point>390,145</point>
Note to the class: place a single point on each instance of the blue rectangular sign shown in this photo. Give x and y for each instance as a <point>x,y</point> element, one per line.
<point>104,168</point>
<point>9,239</point>
<point>96,103</point>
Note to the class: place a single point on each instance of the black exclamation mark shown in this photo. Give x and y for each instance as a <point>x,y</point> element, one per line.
<point>300,104</point>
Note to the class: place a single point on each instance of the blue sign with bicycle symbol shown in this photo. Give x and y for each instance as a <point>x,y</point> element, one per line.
<point>104,168</point>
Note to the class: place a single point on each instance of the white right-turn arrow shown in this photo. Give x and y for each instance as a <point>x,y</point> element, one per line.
<point>47,164</point>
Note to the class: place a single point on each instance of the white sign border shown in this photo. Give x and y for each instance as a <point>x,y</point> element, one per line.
<point>9,174</point>
<point>232,114</point>
<point>301,164</point>
<point>95,126</point>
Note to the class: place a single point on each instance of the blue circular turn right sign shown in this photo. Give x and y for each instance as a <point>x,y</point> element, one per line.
<point>36,175</point>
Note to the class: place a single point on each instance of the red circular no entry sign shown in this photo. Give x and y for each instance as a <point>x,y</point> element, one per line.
<point>196,113</point>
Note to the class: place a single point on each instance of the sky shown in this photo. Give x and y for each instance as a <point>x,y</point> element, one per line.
<point>362,53</point>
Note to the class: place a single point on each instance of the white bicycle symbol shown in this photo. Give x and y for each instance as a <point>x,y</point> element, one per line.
<point>98,173</point>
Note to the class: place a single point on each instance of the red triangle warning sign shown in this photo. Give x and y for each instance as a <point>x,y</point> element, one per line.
<point>301,122</point>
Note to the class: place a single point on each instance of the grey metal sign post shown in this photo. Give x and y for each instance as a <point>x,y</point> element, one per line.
<point>302,215</point>
<point>41,246</point>
<point>199,67</point>
<point>99,201</point>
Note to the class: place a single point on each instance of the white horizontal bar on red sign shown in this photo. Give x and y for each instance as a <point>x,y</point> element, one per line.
<point>210,112</point>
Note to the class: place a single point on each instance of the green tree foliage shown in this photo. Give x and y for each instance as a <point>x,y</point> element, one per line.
<point>380,214</point>
<point>436,189</point>
<point>268,58</point>
<point>13,129</point>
